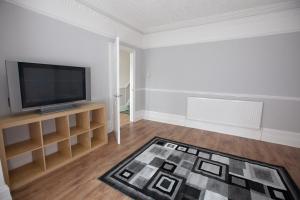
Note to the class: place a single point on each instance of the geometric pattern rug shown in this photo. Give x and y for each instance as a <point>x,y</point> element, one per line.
<point>164,169</point>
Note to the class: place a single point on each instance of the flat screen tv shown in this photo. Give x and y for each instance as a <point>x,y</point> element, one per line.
<point>34,86</point>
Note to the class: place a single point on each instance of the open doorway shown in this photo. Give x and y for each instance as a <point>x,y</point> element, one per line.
<point>114,49</point>
<point>126,69</point>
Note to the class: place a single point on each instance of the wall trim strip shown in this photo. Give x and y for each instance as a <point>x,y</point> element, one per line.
<point>223,94</point>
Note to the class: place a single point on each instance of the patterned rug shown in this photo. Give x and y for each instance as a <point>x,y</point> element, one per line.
<point>165,169</point>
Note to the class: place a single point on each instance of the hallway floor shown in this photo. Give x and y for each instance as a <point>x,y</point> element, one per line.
<point>124,119</point>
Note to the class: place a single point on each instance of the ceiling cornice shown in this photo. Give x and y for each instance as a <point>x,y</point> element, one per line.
<point>253,23</point>
<point>224,17</point>
<point>286,21</point>
<point>202,20</point>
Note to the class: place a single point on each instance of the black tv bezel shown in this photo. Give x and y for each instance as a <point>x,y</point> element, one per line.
<point>48,66</point>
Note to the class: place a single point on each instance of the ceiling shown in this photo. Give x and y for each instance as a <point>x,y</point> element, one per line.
<point>147,16</point>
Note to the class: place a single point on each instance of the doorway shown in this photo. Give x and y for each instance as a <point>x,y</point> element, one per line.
<point>126,81</point>
<point>124,86</point>
<point>114,49</point>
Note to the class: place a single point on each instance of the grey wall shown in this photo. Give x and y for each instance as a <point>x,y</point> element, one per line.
<point>28,36</point>
<point>265,66</point>
<point>140,80</point>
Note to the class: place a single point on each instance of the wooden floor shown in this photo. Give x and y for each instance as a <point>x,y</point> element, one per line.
<point>124,119</point>
<point>78,180</point>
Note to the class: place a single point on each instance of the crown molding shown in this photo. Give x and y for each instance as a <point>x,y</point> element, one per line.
<point>201,20</point>
<point>286,21</point>
<point>224,17</point>
<point>255,25</point>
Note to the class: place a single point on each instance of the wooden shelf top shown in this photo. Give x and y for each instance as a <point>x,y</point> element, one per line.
<point>24,174</point>
<point>78,130</point>
<point>53,138</point>
<point>20,119</point>
<point>20,148</point>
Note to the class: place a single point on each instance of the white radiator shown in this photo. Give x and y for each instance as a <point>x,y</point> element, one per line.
<point>246,114</point>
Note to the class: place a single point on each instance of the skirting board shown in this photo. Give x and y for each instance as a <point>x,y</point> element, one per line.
<point>265,134</point>
<point>281,137</point>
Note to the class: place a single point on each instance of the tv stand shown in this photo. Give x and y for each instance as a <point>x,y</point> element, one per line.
<point>85,124</point>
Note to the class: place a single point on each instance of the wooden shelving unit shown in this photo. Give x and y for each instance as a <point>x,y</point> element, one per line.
<point>89,131</point>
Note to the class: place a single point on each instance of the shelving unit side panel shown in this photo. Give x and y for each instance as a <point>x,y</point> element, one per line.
<point>3,158</point>
<point>35,131</point>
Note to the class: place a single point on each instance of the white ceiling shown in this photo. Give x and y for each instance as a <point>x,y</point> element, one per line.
<point>148,16</point>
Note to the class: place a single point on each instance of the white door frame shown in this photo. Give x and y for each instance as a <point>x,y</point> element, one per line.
<point>132,55</point>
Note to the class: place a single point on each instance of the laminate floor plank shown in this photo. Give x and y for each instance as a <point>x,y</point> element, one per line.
<point>78,180</point>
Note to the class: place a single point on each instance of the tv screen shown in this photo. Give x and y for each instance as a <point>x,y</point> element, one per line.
<point>43,84</point>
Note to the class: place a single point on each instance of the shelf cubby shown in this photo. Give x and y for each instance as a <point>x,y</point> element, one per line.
<point>97,118</point>
<point>98,137</point>
<point>33,142</point>
<point>61,132</point>
<point>81,123</point>
<point>59,153</point>
<point>32,145</point>
<point>81,145</point>
<point>29,171</point>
